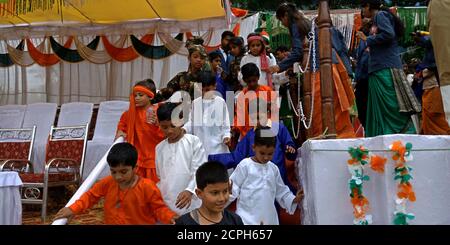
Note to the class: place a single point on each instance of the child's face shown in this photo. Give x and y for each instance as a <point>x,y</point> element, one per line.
<point>170,131</point>
<point>141,99</point>
<point>214,196</point>
<point>252,82</point>
<point>235,50</point>
<point>263,153</point>
<point>206,89</point>
<point>122,174</point>
<point>216,62</point>
<point>255,47</point>
<point>197,61</point>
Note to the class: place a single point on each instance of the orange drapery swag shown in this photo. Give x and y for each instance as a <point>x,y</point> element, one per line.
<point>124,54</point>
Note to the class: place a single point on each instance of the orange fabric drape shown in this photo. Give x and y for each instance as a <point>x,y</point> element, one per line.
<point>124,54</point>
<point>239,12</point>
<point>45,59</point>
<point>433,115</point>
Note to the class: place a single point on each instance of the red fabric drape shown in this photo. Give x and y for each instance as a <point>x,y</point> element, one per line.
<point>124,54</point>
<point>45,59</point>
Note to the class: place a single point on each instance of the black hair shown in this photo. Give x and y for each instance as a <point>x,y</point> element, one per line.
<point>213,55</point>
<point>164,112</point>
<point>122,154</point>
<point>294,16</point>
<point>282,48</point>
<point>239,41</point>
<point>211,172</point>
<point>399,27</point>
<point>227,34</point>
<point>207,78</point>
<point>248,70</point>
<point>265,137</point>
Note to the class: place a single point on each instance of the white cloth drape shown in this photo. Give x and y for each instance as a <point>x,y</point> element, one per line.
<point>10,203</point>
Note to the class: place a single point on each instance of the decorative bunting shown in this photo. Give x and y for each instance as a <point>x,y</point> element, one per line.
<point>42,58</point>
<point>71,55</point>
<point>5,59</point>
<point>124,54</point>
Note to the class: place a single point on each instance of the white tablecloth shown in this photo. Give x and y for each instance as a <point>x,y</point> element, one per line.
<point>323,171</point>
<point>10,203</point>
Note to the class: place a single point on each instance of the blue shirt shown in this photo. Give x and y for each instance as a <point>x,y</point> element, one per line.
<point>244,150</point>
<point>296,54</point>
<point>428,60</point>
<point>384,45</point>
<point>362,64</point>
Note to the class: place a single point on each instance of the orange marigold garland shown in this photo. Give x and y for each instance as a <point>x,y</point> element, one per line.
<point>402,155</point>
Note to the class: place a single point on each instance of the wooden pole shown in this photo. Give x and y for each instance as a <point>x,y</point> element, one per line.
<point>326,79</point>
<point>307,93</point>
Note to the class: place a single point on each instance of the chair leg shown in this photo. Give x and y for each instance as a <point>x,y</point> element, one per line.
<point>44,203</point>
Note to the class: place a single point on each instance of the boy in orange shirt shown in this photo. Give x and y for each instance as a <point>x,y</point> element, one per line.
<point>139,127</point>
<point>129,199</point>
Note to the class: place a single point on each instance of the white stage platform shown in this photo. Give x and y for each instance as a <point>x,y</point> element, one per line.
<point>323,171</point>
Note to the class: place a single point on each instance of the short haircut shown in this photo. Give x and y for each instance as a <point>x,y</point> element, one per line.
<point>227,34</point>
<point>213,55</point>
<point>207,78</point>
<point>248,70</point>
<point>238,41</point>
<point>211,172</point>
<point>148,83</point>
<point>164,112</point>
<point>265,137</point>
<point>282,49</point>
<point>122,154</point>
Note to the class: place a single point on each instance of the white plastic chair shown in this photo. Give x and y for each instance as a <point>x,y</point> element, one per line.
<point>11,116</point>
<point>75,114</point>
<point>41,115</point>
<point>108,116</point>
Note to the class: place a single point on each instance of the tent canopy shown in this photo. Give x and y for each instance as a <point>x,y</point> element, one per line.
<point>170,15</point>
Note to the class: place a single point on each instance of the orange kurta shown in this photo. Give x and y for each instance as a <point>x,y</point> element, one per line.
<point>147,136</point>
<point>343,99</point>
<point>433,115</point>
<point>242,106</point>
<point>139,205</point>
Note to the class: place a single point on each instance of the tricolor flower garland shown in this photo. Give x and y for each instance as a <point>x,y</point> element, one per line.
<point>402,154</point>
<point>361,157</point>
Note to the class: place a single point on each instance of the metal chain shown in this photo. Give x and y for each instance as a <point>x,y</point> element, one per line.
<point>299,111</point>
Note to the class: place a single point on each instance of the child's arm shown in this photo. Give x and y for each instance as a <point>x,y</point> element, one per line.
<point>159,208</point>
<point>283,195</point>
<point>237,179</point>
<point>231,160</point>
<point>122,126</point>
<point>287,142</point>
<point>226,129</point>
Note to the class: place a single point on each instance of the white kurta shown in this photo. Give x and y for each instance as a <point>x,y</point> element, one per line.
<point>249,58</point>
<point>257,186</point>
<point>209,120</point>
<point>176,164</point>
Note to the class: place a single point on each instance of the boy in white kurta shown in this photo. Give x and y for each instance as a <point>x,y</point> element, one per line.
<point>257,184</point>
<point>209,119</point>
<point>177,159</point>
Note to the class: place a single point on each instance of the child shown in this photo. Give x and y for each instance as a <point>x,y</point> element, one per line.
<point>257,183</point>
<point>177,159</point>
<point>209,119</point>
<point>251,75</point>
<point>139,127</point>
<point>237,50</point>
<point>213,188</point>
<point>129,199</point>
<point>215,60</point>
<point>257,54</point>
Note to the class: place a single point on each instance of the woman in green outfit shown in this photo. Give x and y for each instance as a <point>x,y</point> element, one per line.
<point>391,101</point>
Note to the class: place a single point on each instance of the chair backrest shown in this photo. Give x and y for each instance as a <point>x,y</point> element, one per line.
<point>11,116</point>
<point>17,143</point>
<point>108,117</point>
<point>76,113</point>
<point>41,115</point>
<point>67,142</point>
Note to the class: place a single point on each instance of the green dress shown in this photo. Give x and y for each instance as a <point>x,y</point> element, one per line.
<point>383,116</point>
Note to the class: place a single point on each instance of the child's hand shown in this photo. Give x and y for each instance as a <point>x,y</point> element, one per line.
<point>274,69</point>
<point>184,199</point>
<point>290,149</point>
<point>64,213</point>
<point>361,35</point>
<point>175,217</point>
<point>299,196</point>
<point>121,133</point>
<point>230,186</point>
<point>227,141</point>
